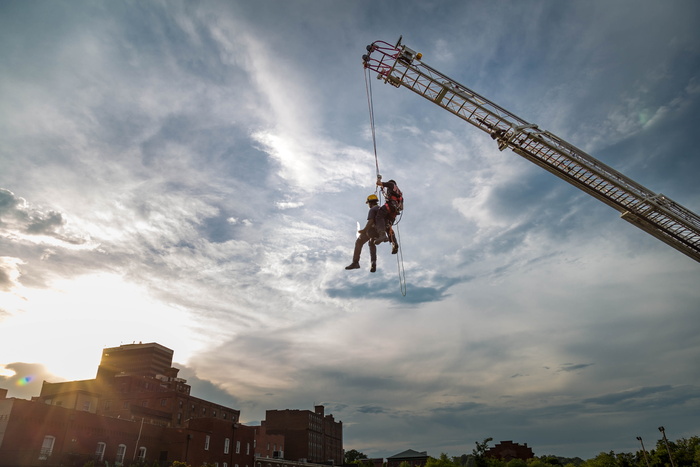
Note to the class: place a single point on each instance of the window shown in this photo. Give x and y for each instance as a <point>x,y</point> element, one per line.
<point>142,453</point>
<point>125,405</point>
<point>46,447</point>
<point>238,447</point>
<point>227,442</point>
<point>163,402</point>
<point>206,443</point>
<point>108,405</point>
<point>121,452</point>
<point>100,451</point>
<point>86,406</point>
<point>247,449</point>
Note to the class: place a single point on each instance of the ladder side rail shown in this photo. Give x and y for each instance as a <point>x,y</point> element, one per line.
<point>615,178</point>
<point>654,209</point>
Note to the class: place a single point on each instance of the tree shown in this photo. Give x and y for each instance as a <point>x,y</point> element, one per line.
<point>442,461</point>
<point>604,459</point>
<point>685,452</point>
<point>353,456</point>
<point>480,452</point>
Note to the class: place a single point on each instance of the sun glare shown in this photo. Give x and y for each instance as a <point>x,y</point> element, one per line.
<point>66,327</point>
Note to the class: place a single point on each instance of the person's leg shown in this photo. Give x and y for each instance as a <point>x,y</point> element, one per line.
<point>359,243</point>
<point>380,224</point>
<point>373,256</point>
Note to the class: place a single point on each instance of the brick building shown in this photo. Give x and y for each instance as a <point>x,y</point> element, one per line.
<point>268,446</point>
<point>134,382</point>
<point>37,434</point>
<point>138,410</point>
<point>508,450</point>
<point>309,436</point>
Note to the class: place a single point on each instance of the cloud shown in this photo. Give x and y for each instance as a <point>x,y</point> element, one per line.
<point>9,273</point>
<point>24,380</point>
<point>209,162</point>
<point>20,220</point>
<point>629,395</point>
<point>574,366</point>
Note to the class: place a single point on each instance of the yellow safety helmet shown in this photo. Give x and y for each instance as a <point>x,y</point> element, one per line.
<point>372,199</point>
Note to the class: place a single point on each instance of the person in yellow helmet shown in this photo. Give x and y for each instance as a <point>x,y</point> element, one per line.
<point>365,235</point>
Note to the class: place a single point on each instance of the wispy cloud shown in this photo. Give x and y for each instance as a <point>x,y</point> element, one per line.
<point>208,163</point>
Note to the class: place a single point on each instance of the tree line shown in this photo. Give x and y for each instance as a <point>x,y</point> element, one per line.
<point>680,453</point>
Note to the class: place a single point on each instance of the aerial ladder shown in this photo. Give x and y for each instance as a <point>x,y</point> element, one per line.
<point>654,213</point>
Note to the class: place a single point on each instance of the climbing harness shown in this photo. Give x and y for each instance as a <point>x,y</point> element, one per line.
<point>378,189</point>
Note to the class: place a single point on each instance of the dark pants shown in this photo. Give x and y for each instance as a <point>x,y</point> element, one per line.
<point>359,243</point>
<point>385,215</point>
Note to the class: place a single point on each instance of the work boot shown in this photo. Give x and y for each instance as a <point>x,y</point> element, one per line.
<point>381,238</point>
<point>374,267</point>
<point>353,265</point>
<point>394,248</point>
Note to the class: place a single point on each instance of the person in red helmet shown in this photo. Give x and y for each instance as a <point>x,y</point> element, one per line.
<point>366,235</point>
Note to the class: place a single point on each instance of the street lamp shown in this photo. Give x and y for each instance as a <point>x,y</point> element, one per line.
<point>646,459</point>
<point>668,448</point>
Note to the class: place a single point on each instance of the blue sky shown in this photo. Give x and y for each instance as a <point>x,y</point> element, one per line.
<point>191,173</point>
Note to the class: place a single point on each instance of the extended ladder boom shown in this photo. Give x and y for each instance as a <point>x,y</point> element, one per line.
<point>654,213</point>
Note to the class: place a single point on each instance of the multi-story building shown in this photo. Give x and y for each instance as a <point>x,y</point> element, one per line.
<point>134,382</point>
<point>309,436</point>
<point>136,359</point>
<point>36,434</point>
<point>268,446</point>
<point>138,410</point>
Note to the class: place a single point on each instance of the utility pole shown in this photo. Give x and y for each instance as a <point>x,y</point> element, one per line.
<point>646,459</point>
<point>668,448</point>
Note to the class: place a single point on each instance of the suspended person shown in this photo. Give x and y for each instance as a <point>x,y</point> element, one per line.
<point>366,235</point>
<point>388,212</point>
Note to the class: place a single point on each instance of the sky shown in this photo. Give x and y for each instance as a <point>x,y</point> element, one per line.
<point>192,174</point>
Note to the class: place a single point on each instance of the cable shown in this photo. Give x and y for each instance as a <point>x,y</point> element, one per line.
<point>370,104</point>
<point>399,263</point>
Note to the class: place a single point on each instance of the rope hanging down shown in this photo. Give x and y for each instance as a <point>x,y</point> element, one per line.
<point>370,104</point>
<point>399,257</point>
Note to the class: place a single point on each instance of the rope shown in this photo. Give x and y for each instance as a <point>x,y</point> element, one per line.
<point>378,190</point>
<point>370,104</point>
<point>399,263</point>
